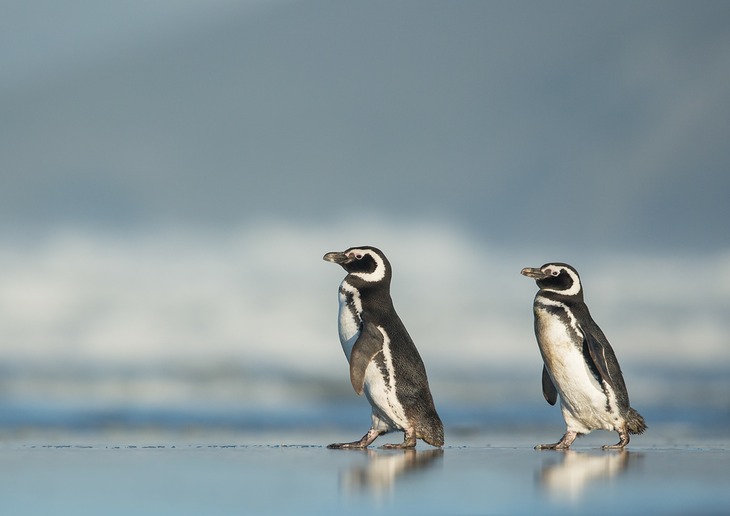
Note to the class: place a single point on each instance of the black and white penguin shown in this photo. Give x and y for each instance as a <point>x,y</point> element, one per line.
<point>579,363</point>
<point>384,362</point>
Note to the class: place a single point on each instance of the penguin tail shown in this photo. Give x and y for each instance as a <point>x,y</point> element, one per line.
<point>635,422</point>
<point>432,433</point>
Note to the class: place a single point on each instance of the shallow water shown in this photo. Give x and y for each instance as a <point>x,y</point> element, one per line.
<point>294,473</point>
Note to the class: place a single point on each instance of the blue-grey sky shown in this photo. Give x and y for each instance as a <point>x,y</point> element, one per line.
<point>593,124</point>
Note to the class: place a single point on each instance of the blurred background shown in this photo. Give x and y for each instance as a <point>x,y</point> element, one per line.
<point>173,171</point>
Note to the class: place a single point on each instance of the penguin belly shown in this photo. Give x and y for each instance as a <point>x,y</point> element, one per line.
<point>584,404</point>
<point>388,413</point>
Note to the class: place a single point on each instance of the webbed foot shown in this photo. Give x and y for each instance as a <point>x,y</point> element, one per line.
<point>366,440</point>
<point>563,444</point>
<point>623,441</point>
<point>409,441</point>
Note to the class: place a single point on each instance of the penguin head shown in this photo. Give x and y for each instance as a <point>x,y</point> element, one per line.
<point>556,277</point>
<point>365,262</point>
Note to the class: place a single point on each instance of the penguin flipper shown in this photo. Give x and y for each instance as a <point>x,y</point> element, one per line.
<point>600,354</point>
<point>548,387</point>
<point>367,345</point>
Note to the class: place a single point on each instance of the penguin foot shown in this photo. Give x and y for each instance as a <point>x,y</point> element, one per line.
<point>409,441</point>
<point>553,446</point>
<point>357,445</point>
<point>623,441</point>
<point>562,444</point>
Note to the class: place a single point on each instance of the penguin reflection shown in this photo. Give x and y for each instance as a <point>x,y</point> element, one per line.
<point>569,477</point>
<point>382,468</point>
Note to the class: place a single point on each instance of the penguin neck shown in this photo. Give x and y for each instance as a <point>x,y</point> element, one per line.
<point>369,289</point>
<point>372,298</point>
<point>553,295</point>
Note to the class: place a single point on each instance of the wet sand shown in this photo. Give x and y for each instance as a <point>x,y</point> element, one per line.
<point>296,474</point>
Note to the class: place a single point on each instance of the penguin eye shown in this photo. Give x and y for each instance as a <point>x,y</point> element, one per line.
<point>554,272</point>
<point>358,256</point>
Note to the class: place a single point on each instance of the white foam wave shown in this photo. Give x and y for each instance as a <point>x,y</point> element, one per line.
<point>261,295</point>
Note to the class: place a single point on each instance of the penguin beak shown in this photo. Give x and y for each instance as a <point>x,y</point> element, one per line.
<point>534,273</point>
<point>336,257</point>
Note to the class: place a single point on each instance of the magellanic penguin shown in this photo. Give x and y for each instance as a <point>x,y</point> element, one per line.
<point>384,362</point>
<point>579,363</point>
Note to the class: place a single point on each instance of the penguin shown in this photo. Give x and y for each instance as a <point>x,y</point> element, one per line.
<point>384,362</point>
<point>579,364</point>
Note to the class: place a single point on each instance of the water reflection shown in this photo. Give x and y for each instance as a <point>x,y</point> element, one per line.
<point>382,468</point>
<point>569,476</point>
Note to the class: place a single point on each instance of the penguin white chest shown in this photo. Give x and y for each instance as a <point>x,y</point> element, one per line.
<point>583,400</point>
<point>348,318</point>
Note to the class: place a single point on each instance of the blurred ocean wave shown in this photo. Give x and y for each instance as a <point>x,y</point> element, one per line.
<point>238,329</point>
<point>262,295</point>
<point>227,397</point>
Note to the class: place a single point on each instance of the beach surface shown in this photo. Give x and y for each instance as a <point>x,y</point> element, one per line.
<point>89,444</point>
<point>294,473</point>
